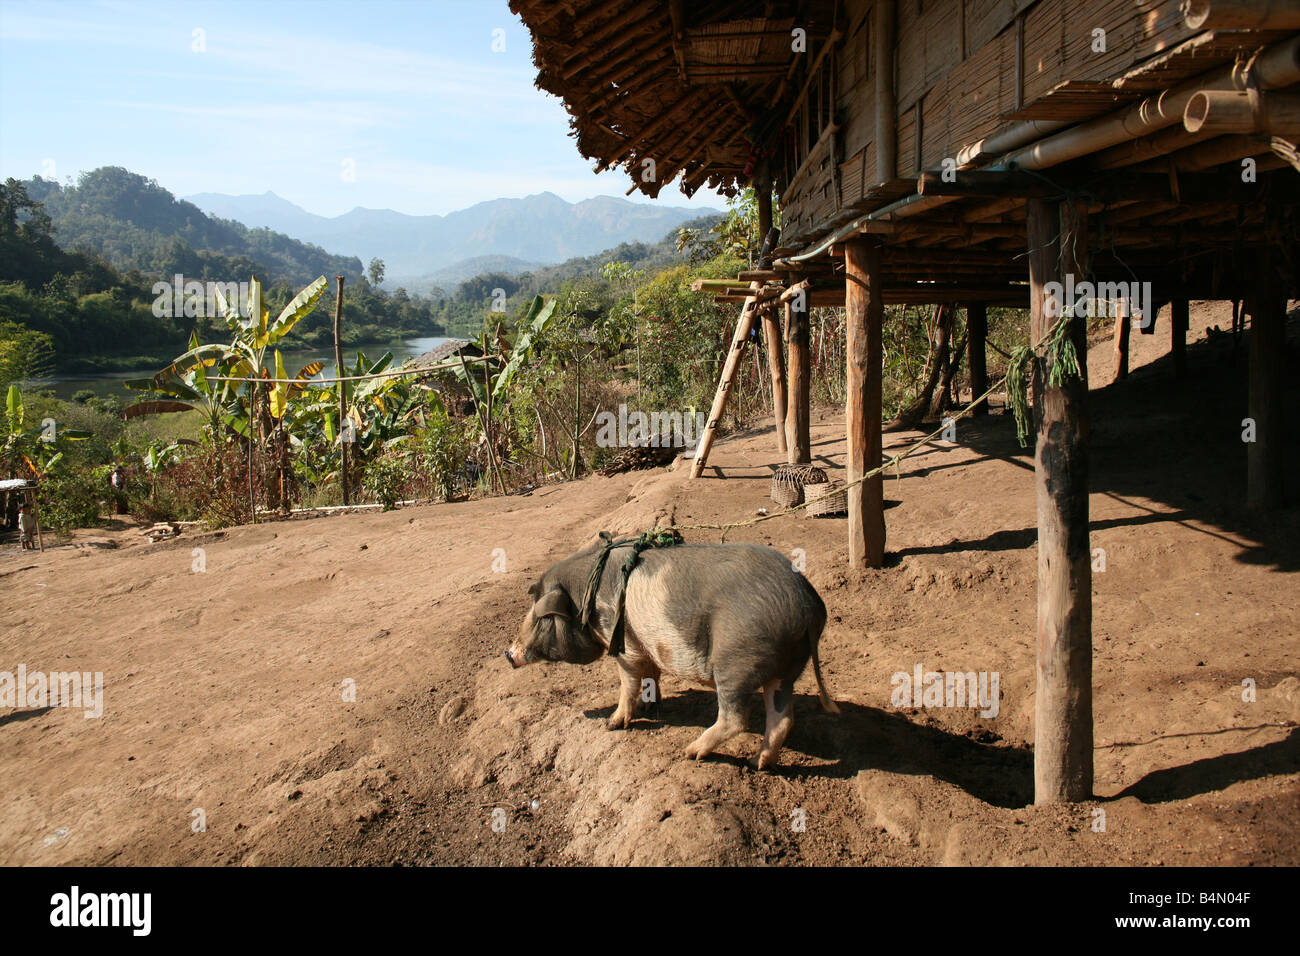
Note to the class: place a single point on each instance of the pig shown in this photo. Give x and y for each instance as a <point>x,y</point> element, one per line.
<point>735,617</point>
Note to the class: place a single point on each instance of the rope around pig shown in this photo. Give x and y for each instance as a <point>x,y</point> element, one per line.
<point>655,538</point>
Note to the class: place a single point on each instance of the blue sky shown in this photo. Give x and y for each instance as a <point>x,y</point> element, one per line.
<point>401,104</point>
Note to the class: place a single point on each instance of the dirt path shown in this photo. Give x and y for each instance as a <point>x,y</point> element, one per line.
<point>224,688</point>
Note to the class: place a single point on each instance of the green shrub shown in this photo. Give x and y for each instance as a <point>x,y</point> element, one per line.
<point>70,500</point>
<point>386,478</point>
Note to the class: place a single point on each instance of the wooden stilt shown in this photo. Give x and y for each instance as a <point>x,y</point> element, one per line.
<point>1063,705</point>
<point>798,445</point>
<point>977,328</point>
<point>36,513</point>
<point>744,325</point>
<point>1264,461</point>
<point>1122,324</point>
<point>864,358</point>
<point>776,367</point>
<point>1178,321</point>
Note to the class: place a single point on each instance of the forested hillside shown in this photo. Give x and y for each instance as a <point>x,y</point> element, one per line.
<point>81,268</point>
<point>134,223</point>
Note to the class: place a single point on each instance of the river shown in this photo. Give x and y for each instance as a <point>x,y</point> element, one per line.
<point>110,383</point>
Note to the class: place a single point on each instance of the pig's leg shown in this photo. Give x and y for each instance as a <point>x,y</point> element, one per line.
<point>731,721</point>
<point>629,679</point>
<point>778,695</point>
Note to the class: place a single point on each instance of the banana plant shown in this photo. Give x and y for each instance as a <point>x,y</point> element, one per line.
<point>245,356</point>
<point>187,386</point>
<point>32,448</point>
<point>534,325</point>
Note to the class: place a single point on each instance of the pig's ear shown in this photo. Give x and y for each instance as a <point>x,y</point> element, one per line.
<point>554,602</point>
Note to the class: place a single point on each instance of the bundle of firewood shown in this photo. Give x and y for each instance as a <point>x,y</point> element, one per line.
<point>639,456</point>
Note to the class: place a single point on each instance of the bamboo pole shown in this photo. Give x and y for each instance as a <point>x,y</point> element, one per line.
<point>1241,14</point>
<point>1216,112</point>
<point>343,388</point>
<point>864,316</point>
<point>1063,735</point>
<point>1275,68</point>
<point>744,325</point>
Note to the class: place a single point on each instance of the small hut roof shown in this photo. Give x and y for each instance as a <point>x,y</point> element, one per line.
<point>442,352</point>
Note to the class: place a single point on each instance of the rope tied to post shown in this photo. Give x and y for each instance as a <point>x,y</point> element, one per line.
<point>654,538</point>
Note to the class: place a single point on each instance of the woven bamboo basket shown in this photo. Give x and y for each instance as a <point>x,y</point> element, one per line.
<point>788,483</point>
<point>826,499</point>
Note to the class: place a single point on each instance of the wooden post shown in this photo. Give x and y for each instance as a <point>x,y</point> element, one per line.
<point>744,325</point>
<point>883,20</point>
<point>478,410</point>
<point>977,328</point>
<point>864,358</point>
<point>798,445</point>
<point>763,193</point>
<point>36,513</point>
<point>487,419</point>
<point>1178,322</point>
<point>776,367</point>
<point>343,388</point>
<point>1264,461</point>
<point>1063,704</point>
<point>1122,323</point>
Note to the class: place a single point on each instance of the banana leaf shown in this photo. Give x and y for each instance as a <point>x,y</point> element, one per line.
<point>155,408</point>
<point>301,305</point>
<point>536,322</point>
<point>14,409</point>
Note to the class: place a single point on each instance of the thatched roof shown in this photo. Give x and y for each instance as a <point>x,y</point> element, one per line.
<point>688,86</point>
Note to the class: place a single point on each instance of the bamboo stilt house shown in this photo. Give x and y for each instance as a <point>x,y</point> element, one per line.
<point>974,152</point>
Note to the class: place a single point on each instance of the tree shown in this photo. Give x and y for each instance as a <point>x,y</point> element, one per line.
<point>376,271</point>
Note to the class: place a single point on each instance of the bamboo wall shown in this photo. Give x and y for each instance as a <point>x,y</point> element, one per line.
<point>958,78</point>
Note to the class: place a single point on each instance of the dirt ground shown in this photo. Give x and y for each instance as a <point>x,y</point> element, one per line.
<point>226,737</point>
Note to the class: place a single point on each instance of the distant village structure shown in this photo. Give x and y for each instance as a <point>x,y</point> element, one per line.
<point>973,152</point>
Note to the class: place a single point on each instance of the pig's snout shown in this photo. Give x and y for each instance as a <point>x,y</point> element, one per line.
<point>511,657</point>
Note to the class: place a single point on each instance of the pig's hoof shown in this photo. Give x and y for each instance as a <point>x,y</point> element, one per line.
<point>764,760</point>
<point>617,722</point>
<point>695,752</point>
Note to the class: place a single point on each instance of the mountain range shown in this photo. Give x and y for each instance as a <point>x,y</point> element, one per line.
<point>506,235</point>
